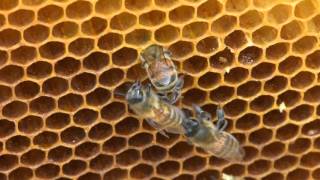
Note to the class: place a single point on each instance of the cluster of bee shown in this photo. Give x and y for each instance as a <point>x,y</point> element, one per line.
<point>154,102</point>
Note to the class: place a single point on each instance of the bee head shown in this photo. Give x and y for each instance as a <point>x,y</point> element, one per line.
<point>191,127</point>
<point>135,94</point>
<point>152,52</point>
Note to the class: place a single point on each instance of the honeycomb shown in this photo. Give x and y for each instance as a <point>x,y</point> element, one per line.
<point>62,62</point>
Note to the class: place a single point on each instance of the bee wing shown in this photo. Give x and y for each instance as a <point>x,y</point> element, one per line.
<point>157,127</point>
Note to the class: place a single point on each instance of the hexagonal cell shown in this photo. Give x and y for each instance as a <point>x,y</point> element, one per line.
<point>94,26</point>
<point>21,17</point>
<point>259,167</point>
<point>5,93</point>
<point>236,75</point>
<point>248,121</point>
<point>274,118</point>
<point>116,173</point>
<point>302,80</point>
<point>236,39</point>
<point>101,162</point>
<point>74,167</point>
<point>194,163</point>
<point>235,107</point>
<point>39,69</point>
<point>134,6</point>
<point>208,174</point>
<point>14,109</point>
<point>23,54</point>
<point>114,144</point>
<point>222,93</point>
<point>100,131</point>
<point>262,103</point>
<point>113,111</point>
<point>45,139</point>
<point>298,174</point>
<point>6,128</point>
<point>165,141</point>
<point>67,66</point>
<point>87,149</point>
<point>9,38</point>
<point>285,162</point>
<point>236,170</point>
<point>70,102</point>
<point>141,171</point>
<point>301,112</point>
<point>60,154</point>
<point>312,94</point>
<point>222,59</point>
<point>8,161</point>
<point>4,55</point>
<point>98,97</point>
<point>50,13</point>
<point>152,18</point>
<point>305,9</point>
<point>251,19</point>
<point>42,104</point>
<point>107,7</point>
<point>260,136</point>
<point>128,157</point>
<point>138,37</point>
<point>316,173</point>
<point>83,82</point>
<point>127,126</point>
<point>17,143</point>
<point>249,88</point>
<point>124,56</point>
<point>279,13</point>
<point>224,24</point>
<point>195,30</point>
<point>136,72</point>
<point>181,14</point>
<point>287,132</point>
<point>21,173</point>
<point>313,60</point>
<point>276,84</point>
<point>47,171</point>
<point>274,176</point>
<point>58,120</point>
<point>304,44</point>
<point>277,51</point>
<point>81,46</point>
<point>194,96</point>
<point>313,24</point>
<point>195,64</point>
<point>72,135</point>
<point>65,29</point>
<point>110,41</point>
<point>209,80</point>
<point>181,49</point>
<point>290,65</point>
<point>208,45</point>
<point>291,30</point>
<point>79,9</point>
<point>264,35</point>
<point>52,50</point>
<point>263,70</point>
<point>250,55</point>
<point>180,150</point>
<point>141,139</point>
<point>273,149</point>
<point>90,175</point>
<point>32,2</point>
<point>311,128</point>
<point>168,168</point>
<point>123,21</point>
<point>96,61</point>
<point>27,89</point>
<point>166,34</point>
<point>236,6</point>
<point>33,157</point>
<point>250,153</point>
<point>310,159</point>
<point>55,86</point>
<point>11,74</point>
<point>209,9</point>
<point>30,124</point>
<point>85,116</point>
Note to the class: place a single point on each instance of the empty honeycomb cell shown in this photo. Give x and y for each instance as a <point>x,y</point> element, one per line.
<point>134,6</point>
<point>3,57</point>
<point>110,41</point>
<point>310,159</point>
<point>195,64</point>
<point>8,161</point>
<point>234,170</point>
<point>279,13</point>
<point>311,128</point>
<point>9,37</point>
<point>224,24</point>
<point>65,29</point>
<point>141,171</point>
<point>316,173</point>
<point>290,65</point>
<point>72,135</point>
<point>301,112</point>
<point>115,174</point>
<point>168,168</point>
<point>101,162</point>
<point>90,175</point>
<point>27,89</point>
<point>152,18</point>
<point>113,111</point>
<point>47,171</point>
<point>94,26</point>
<point>181,49</point>
<point>273,149</point>
<point>194,163</point>
<point>166,34</point>
<point>236,6</point>
<point>8,4</point>
<point>85,116</point>
<point>39,69</point>
<point>291,30</point>
<point>208,45</point>
<point>42,105</point>
<point>209,80</point>
<point>250,153</point>
<point>180,150</point>
<point>127,126</point>
<point>249,89</point>
<point>251,19</point>
<point>107,7</point>
<point>55,86</point>
<point>235,107</point>
<point>194,96</point>
<point>236,75</point>
<point>181,14</point>
<point>81,46</point>
<point>154,153</point>
<point>274,118</point>
<point>215,161</point>
<point>83,82</point>
<point>67,66</point>
<point>114,144</point>
<point>195,30</point>
<point>274,176</point>
<point>14,109</point>
<point>57,120</point>
<point>70,102</point>
<point>79,9</point>
<point>277,50</point>
<point>36,33</point>
<point>11,74</point>
<point>285,162</point>
<point>5,93</point>
<point>313,60</point>
<point>259,167</point>
<point>98,97</point>
<point>21,17</point>
<point>128,157</point>
<point>124,56</point>
<point>313,24</point>
<point>21,173</point>
<point>100,131</point>
<point>209,9</point>
<point>50,13</point>
<point>298,174</point>
<point>262,103</point>
<point>30,124</point>
<point>287,131</point>
<point>305,9</point>
<point>6,128</point>
<point>45,139</point>
<point>206,174</point>
<point>304,44</point>
<point>138,37</point>
<point>33,157</point>
<point>32,2</point>
<point>74,167</point>
<point>264,35</point>
<point>302,80</point>
<point>136,72</point>
<point>250,55</point>
<point>59,154</point>
<point>236,39</point>
<point>222,59</point>
<point>222,93</point>
<point>141,139</point>
<point>23,54</point>
<point>96,61</point>
<point>165,140</point>
<point>276,84</point>
<point>17,143</point>
<point>260,136</point>
<point>123,21</point>
<point>312,94</point>
<point>248,121</point>
<point>87,149</point>
<point>52,50</point>
<point>263,70</point>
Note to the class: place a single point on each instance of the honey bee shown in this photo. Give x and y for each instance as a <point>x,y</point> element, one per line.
<point>203,133</point>
<point>161,115</point>
<point>162,72</point>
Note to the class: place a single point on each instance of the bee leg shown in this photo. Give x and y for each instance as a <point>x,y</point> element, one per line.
<point>200,114</point>
<point>167,54</point>
<point>157,127</point>
<point>148,90</point>
<point>222,122</point>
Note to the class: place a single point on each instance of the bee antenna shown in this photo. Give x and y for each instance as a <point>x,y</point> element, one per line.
<point>120,94</point>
